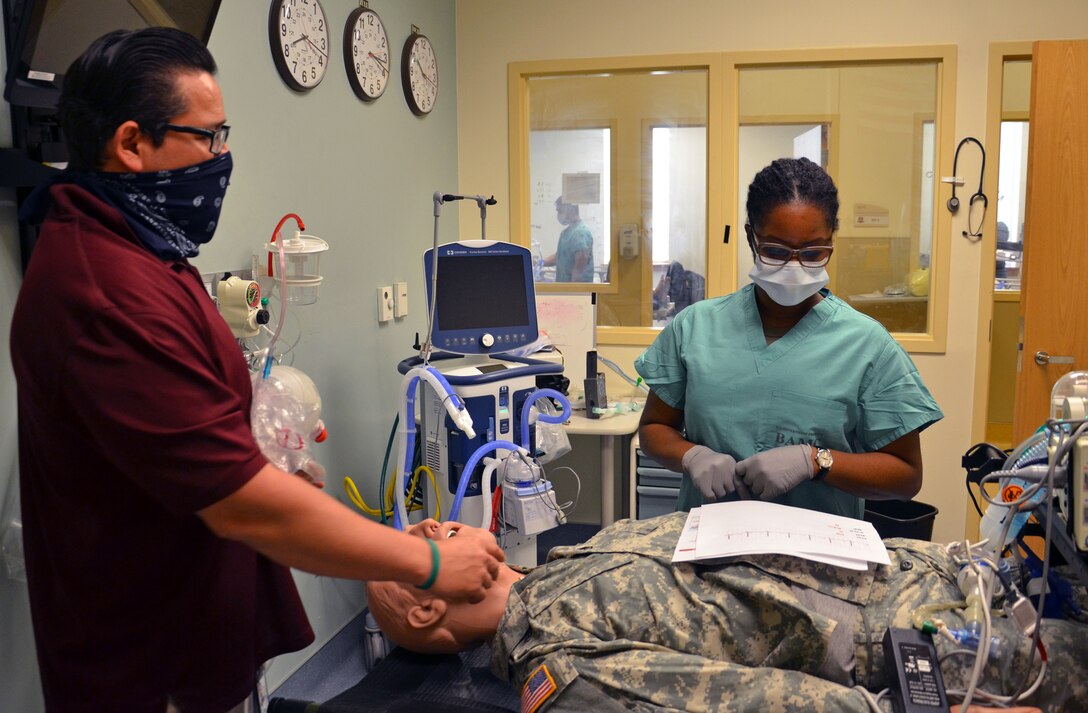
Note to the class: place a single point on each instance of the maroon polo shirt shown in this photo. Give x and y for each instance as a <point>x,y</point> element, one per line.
<point>133,402</point>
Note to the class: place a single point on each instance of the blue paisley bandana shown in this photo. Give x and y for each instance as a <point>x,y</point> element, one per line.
<point>172,212</point>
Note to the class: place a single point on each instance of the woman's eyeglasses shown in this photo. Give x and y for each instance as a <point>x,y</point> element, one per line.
<point>776,254</point>
<point>217,137</point>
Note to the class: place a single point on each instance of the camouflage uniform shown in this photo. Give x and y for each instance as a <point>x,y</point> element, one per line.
<point>617,626</point>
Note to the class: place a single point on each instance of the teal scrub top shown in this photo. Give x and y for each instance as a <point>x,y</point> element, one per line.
<point>574,239</point>
<point>836,380</point>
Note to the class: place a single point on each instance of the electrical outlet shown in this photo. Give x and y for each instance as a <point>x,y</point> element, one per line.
<point>385,303</point>
<point>400,299</point>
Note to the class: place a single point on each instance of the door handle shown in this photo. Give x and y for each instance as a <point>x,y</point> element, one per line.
<point>1042,359</point>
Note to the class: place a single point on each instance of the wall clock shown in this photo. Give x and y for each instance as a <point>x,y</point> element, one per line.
<point>419,71</point>
<point>366,53</point>
<point>299,39</point>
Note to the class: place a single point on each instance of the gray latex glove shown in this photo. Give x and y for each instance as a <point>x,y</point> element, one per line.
<point>779,470</point>
<point>713,473</point>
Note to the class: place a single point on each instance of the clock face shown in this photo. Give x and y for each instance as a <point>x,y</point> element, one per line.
<point>420,73</point>
<point>366,54</point>
<point>299,37</point>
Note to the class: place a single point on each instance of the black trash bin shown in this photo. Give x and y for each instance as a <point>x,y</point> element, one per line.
<point>901,518</point>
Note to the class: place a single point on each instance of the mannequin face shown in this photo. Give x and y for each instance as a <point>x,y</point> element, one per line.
<point>423,622</point>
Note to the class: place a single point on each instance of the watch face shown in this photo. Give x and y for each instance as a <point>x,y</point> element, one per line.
<point>366,54</point>
<point>420,73</point>
<point>824,458</point>
<point>299,37</point>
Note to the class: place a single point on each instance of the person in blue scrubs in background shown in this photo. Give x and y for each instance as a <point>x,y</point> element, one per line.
<point>781,391</point>
<point>573,257</point>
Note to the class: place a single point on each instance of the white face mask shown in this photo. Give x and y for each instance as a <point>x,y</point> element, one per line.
<point>789,284</point>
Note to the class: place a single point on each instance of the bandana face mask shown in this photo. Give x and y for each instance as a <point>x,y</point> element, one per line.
<point>789,284</point>
<point>172,212</point>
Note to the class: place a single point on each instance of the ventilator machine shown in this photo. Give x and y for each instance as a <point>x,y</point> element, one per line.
<point>479,412</point>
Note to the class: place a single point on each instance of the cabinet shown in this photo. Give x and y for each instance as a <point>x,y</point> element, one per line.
<point>654,488</point>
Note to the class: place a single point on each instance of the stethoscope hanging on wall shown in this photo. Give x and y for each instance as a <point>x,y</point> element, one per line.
<point>954,202</point>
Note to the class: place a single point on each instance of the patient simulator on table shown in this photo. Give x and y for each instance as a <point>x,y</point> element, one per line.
<point>614,623</point>
<point>621,622</point>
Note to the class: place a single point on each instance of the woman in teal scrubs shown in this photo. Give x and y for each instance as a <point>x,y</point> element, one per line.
<point>781,391</point>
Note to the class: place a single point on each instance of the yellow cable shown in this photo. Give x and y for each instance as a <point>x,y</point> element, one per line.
<point>359,502</point>
<point>357,498</point>
<point>437,493</point>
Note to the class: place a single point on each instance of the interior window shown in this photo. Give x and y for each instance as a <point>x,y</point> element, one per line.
<point>628,177</point>
<point>676,213</point>
<point>571,177</point>
<point>878,149</point>
<point>1012,174</point>
<point>617,199</point>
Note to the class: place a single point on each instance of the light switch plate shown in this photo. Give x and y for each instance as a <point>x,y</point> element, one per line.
<point>400,299</point>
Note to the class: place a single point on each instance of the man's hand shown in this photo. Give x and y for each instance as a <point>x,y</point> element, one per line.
<point>779,470</point>
<point>713,473</point>
<point>468,565</point>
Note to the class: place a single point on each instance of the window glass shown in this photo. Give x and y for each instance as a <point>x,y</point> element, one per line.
<point>617,200</point>
<point>1012,174</point>
<point>676,211</point>
<point>569,218</point>
<point>871,126</point>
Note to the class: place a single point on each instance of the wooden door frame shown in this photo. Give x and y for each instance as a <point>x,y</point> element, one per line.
<point>1000,52</point>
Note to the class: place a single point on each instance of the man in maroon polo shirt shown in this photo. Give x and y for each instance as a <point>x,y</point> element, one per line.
<point>157,537</point>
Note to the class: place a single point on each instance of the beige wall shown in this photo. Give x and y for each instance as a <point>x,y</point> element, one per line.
<point>492,34</point>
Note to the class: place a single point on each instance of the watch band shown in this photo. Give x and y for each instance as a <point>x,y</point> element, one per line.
<point>824,469</point>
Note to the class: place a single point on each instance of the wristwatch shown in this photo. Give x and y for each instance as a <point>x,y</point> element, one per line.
<point>825,461</point>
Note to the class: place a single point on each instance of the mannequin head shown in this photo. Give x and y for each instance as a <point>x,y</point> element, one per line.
<point>426,623</point>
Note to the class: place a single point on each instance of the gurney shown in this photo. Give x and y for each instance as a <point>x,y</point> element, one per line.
<point>405,682</point>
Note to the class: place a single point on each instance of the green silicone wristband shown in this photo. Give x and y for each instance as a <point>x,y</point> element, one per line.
<point>434,566</point>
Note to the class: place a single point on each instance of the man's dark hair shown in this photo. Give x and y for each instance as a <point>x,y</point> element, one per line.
<point>792,180</point>
<point>123,75</point>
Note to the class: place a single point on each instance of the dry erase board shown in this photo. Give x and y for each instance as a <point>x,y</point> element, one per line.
<point>570,322</point>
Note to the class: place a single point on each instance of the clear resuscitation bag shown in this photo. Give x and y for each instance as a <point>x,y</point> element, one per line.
<point>551,438</point>
<point>286,417</point>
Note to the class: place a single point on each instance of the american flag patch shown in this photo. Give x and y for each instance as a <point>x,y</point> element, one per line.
<point>537,689</point>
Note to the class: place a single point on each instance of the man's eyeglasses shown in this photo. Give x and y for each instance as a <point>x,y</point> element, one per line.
<point>218,137</point>
<point>776,254</point>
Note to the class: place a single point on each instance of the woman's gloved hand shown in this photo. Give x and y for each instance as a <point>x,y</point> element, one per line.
<point>713,473</point>
<point>779,470</point>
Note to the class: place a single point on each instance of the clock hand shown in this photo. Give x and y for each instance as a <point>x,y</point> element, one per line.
<point>316,47</point>
<point>416,60</point>
<point>379,61</point>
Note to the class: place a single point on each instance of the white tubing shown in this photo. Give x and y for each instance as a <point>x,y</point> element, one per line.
<point>407,428</point>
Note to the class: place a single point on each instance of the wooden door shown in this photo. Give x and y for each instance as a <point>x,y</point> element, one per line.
<point>1054,289</point>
